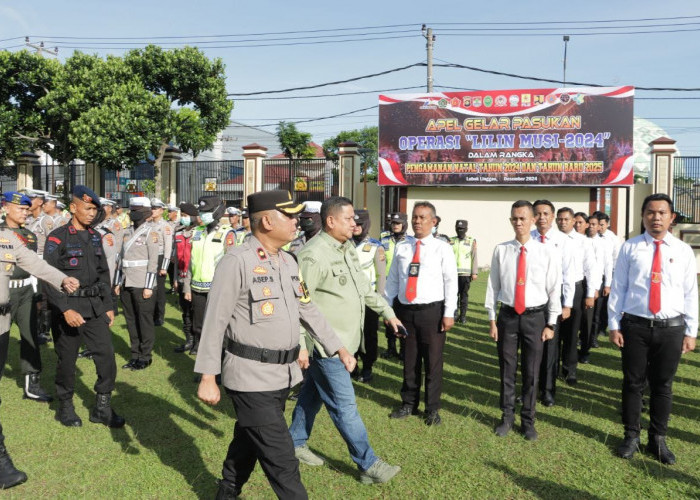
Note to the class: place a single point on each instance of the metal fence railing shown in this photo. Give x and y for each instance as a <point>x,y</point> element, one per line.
<point>307,180</point>
<point>215,178</point>
<point>686,188</point>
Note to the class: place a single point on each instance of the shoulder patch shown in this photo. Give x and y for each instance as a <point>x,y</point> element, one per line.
<point>55,240</point>
<point>109,239</point>
<point>261,253</point>
<point>308,259</point>
<point>230,239</point>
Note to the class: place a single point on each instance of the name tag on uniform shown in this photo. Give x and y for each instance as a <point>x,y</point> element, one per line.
<point>413,269</point>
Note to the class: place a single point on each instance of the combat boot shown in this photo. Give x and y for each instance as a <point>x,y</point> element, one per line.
<point>66,414</point>
<point>189,343</point>
<point>227,491</point>
<point>103,413</point>
<point>33,391</point>
<point>194,348</point>
<point>9,475</point>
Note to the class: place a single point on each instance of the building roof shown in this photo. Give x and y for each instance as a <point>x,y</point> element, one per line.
<point>318,151</point>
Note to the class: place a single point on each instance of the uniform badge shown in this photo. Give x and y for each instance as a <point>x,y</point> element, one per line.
<point>167,229</point>
<point>521,282</point>
<point>8,267</point>
<point>73,262</point>
<point>261,253</point>
<point>155,238</point>
<point>87,199</point>
<point>9,256</point>
<point>49,225</point>
<point>656,277</point>
<point>267,308</point>
<point>4,240</point>
<point>109,239</point>
<point>266,292</point>
<point>259,270</point>
<point>367,247</point>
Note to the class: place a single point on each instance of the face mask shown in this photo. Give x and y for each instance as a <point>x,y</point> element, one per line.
<point>207,218</point>
<point>185,221</point>
<point>433,231</point>
<point>461,233</point>
<point>138,216</point>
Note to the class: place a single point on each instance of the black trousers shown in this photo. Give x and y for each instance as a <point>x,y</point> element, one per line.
<point>4,348</point>
<point>423,349</point>
<point>389,334</point>
<point>261,434</point>
<point>463,284</point>
<point>568,334</point>
<point>24,313</point>
<point>587,335</point>
<point>186,309</point>
<point>525,331</point>
<point>67,341</point>
<point>550,361</point>
<point>159,294</point>
<point>371,327</point>
<point>199,304</point>
<point>138,313</point>
<point>653,354</point>
<point>600,313</point>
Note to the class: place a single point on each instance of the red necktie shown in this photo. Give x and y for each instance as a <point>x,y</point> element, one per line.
<point>412,285</point>
<point>655,290</point>
<point>520,282</point>
<point>542,238</point>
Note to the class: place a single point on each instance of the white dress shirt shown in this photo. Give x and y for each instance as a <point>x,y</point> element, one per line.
<point>558,240</point>
<point>583,261</point>
<point>542,279</point>
<point>437,278</point>
<point>631,282</point>
<point>603,255</point>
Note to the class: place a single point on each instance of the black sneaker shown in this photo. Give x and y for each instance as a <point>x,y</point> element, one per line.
<point>404,411</point>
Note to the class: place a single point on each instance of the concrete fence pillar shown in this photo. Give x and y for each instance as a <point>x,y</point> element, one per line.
<point>25,170</point>
<point>349,164</point>
<point>663,151</point>
<point>253,156</point>
<point>168,176</point>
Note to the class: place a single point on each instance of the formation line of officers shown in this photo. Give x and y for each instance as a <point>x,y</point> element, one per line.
<point>281,294</point>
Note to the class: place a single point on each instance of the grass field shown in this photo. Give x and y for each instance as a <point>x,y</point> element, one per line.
<point>173,445</point>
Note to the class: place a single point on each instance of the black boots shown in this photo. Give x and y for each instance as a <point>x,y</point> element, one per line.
<point>628,447</point>
<point>66,414</point>
<point>189,343</point>
<point>33,391</point>
<point>226,491</point>
<point>103,413</point>
<point>657,448</point>
<point>9,475</point>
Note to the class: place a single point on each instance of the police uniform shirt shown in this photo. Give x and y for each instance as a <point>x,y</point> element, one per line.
<point>28,239</point>
<point>437,276</point>
<point>12,254</point>
<point>370,245</point>
<point>583,262</point>
<point>111,244</point>
<point>542,279</point>
<point>165,243</point>
<point>139,258</point>
<point>258,300</point>
<point>558,241</point>
<point>41,227</point>
<point>631,282</point>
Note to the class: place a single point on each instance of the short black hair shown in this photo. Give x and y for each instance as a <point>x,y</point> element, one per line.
<point>601,216</point>
<point>657,197</point>
<point>543,202</point>
<point>522,203</point>
<point>566,209</point>
<point>582,215</point>
<point>426,204</point>
<point>332,206</point>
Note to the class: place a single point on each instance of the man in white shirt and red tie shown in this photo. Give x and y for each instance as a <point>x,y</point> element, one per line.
<point>653,318</point>
<point>423,277</point>
<point>526,279</point>
<point>548,235</point>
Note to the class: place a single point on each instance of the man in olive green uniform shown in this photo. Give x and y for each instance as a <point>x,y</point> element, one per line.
<point>14,253</point>
<point>333,274</point>
<point>256,304</point>
<point>165,250</point>
<point>399,226</point>
<point>209,242</point>
<point>464,248</point>
<point>373,262</point>
<point>24,311</point>
<point>135,281</point>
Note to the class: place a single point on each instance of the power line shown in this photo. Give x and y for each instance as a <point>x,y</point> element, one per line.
<point>602,21</point>
<point>570,29</point>
<point>329,83</point>
<point>322,118</point>
<point>327,95</point>
<point>560,33</point>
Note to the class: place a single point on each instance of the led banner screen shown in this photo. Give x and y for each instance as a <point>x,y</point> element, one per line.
<point>545,137</point>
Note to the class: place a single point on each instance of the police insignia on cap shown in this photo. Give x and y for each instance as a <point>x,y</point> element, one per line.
<point>267,308</point>
<point>16,198</point>
<point>87,199</point>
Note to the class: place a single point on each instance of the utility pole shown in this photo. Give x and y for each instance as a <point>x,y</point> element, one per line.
<point>430,41</point>
<point>566,43</point>
<point>39,47</point>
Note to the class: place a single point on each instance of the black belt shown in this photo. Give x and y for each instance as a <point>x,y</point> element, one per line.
<point>5,309</point>
<point>88,291</point>
<point>528,310</point>
<point>655,322</point>
<point>263,355</point>
<point>420,307</point>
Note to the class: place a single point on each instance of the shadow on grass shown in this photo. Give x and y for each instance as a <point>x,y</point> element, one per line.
<point>542,488</point>
<point>661,472</point>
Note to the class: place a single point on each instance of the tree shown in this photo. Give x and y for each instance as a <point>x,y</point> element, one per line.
<point>366,138</point>
<point>294,144</point>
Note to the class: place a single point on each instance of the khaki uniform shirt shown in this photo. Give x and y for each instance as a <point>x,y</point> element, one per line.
<point>14,253</point>
<point>138,264</point>
<point>41,227</point>
<point>258,300</point>
<point>112,241</point>
<point>337,284</point>
<point>165,244</point>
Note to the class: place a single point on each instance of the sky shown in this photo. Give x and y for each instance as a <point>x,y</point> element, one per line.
<point>274,45</point>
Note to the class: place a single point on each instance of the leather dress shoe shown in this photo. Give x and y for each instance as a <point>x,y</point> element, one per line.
<point>142,364</point>
<point>547,400</point>
<point>130,364</point>
<point>628,447</point>
<point>403,412</point>
<point>529,432</point>
<point>503,428</point>
<point>571,381</point>
<point>433,418</point>
<point>658,449</point>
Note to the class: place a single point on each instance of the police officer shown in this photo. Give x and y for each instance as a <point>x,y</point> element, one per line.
<point>87,314</point>
<point>373,263</point>
<point>183,250</point>
<point>165,249</point>
<point>399,226</point>
<point>309,223</point>
<point>24,311</point>
<point>437,234</point>
<point>257,300</point>
<point>112,235</point>
<point>51,209</point>
<point>209,244</point>
<point>14,253</point>
<point>242,236</point>
<point>136,280</point>
<point>122,216</point>
<point>386,226</point>
<point>174,221</point>
<point>464,248</point>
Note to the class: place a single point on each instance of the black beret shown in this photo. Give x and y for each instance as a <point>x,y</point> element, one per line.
<point>189,209</point>
<point>87,195</point>
<point>276,199</point>
<point>208,203</point>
